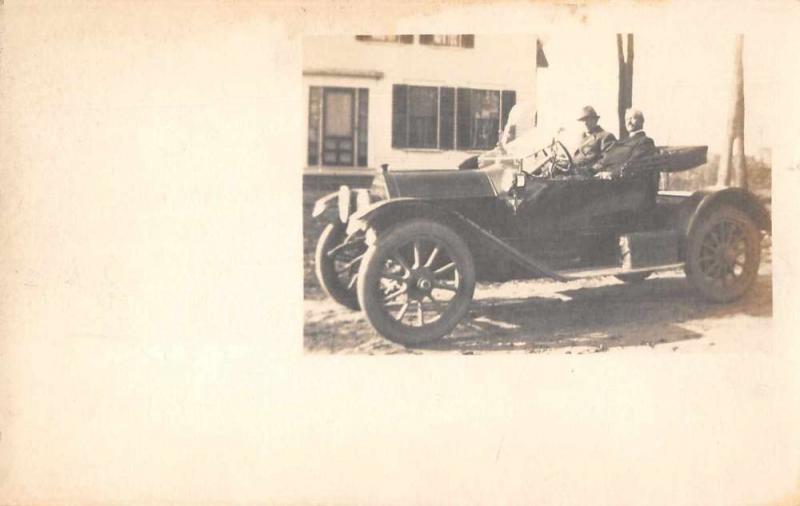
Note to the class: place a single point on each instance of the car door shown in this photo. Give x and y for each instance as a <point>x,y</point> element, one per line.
<point>563,207</point>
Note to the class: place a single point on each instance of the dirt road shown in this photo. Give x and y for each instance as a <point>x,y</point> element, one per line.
<point>586,316</point>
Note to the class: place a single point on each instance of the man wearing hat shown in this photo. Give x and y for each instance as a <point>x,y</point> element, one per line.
<point>594,142</point>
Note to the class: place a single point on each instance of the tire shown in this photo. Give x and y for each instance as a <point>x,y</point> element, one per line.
<point>722,255</point>
<point>340,286</point>
<point>634,278</point>
<point>397,287</point>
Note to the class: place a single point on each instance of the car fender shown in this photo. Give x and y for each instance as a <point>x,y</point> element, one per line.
<point>382,215</point>
<point>326,207</point>
<point>739,198</point>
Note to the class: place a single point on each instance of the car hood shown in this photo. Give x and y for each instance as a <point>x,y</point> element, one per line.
<point>442,184</point>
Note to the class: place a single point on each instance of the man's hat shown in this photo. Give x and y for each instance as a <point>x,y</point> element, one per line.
<point>587,112</point>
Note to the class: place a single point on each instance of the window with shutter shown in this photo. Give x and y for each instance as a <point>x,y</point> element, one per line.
<point>402,39</point>
<point>415,116</point>
<point>423,116</point>
<point>479,118</point>
<point>448,118</point>
<point>463,40</point>
<point>485,118</point>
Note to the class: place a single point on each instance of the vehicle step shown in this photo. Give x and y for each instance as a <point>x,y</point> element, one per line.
<point>597,272</point>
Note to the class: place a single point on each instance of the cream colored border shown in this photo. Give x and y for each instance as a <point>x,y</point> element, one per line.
<point>150,348</point>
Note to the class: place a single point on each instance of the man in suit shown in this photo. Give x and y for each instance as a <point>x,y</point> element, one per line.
<point>615,162</point>
<point>637,145</point>
<point>594,142</point>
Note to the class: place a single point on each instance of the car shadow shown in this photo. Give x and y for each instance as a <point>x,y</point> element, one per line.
<point>596,318</point>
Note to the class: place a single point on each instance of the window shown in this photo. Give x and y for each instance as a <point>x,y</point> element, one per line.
<point>447,118</point>
<point>478,118</point>
<point>402,39</point>
<point>448,40</point>
<point>423,117</point>
<point>337,126</point>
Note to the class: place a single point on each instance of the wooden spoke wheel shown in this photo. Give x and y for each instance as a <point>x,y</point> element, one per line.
<point>336,265</point>
<point>723,253</point>
<point>416,282</point>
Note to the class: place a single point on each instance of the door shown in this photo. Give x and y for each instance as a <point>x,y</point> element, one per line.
<point>338,126</point>
<point>576,222</point>
<point>582,205</point>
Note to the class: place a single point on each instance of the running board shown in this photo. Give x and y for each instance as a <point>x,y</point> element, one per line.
<point>521,258</point>
<point>597,272</point>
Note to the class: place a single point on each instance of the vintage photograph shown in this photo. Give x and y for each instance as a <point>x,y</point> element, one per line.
<point>535,193</point>
<point>341,253</point>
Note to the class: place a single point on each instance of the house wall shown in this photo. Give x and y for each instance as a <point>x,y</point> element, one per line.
<point>496,62</point>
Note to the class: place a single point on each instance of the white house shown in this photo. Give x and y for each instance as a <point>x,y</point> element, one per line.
<point>411,101</point>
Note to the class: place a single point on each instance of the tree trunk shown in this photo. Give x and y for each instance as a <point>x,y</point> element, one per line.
<point>732,164</point>
<point>724,169</point>
<point>625,96</point>
<point>739,165</point>
<point>621,87</point>
<point>629,73</point>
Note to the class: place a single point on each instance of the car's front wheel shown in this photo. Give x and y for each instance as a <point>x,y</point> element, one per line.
<point>416,282</point>
<point>723,253</point>
<point>336,265</point>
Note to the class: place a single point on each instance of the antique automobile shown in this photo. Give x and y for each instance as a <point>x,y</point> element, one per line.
<point>409,250</point>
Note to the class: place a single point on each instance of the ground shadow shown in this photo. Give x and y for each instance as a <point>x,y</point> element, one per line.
<point>596,318</point>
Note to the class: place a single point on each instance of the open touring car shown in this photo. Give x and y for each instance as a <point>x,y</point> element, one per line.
<point>408,251</point>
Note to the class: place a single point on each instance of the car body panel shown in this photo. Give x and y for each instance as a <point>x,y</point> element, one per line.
<point>583,205</point>
<point>546,225</point>
<point>439,184</point>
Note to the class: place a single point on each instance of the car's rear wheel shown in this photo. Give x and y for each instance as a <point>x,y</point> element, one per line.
<point>723,253</point>
<point>416,282</point>
<point>337,266</point>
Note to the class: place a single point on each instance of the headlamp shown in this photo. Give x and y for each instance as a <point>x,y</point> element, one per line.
<point>344,203</point>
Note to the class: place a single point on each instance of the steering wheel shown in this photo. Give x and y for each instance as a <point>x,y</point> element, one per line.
<point>560,159</point>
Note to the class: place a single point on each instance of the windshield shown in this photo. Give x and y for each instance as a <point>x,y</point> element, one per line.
<point>523,135</point>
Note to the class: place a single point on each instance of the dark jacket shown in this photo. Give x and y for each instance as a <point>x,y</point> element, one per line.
<point>616,159</point>
<point>593,145</point>
<point>623,151</point>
